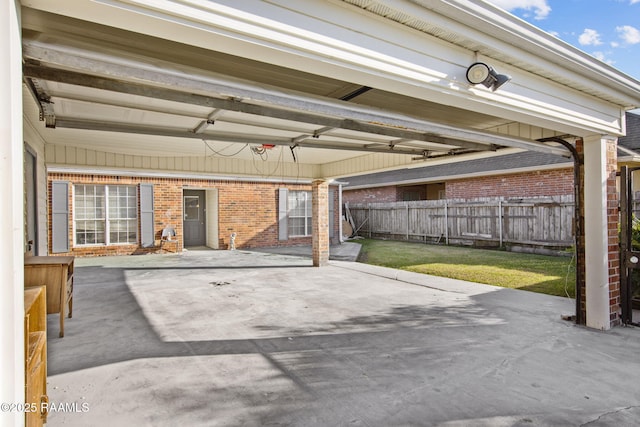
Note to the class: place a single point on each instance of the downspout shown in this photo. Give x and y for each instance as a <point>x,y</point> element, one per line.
<point>577,220</point>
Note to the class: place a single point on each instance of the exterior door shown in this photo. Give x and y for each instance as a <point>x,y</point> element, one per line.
<point>194,218</point>
<point>31,211</point>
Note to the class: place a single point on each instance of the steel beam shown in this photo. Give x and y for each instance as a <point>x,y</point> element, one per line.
<point>227,136</point>
<point>224,92</point>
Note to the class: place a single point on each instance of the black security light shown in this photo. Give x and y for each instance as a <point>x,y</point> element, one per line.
<point>481,73</point>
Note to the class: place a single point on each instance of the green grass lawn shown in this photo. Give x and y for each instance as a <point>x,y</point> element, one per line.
<point>537,273</point>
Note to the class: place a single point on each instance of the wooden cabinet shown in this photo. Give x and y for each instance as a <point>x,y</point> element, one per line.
<point>35,354</point>
<point>56,273</point>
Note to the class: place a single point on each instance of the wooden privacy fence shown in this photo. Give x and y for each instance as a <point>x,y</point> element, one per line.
<point>528,222</point>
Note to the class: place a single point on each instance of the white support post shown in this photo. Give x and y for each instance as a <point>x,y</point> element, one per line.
<point>11,216</point>
<point>596,233</point>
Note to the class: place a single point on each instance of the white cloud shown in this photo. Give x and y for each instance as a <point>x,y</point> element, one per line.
<point>602,56</point>
<point>629,34</point>
<point>540,7</point>
<point>634,1</point>
<point>589,37</point>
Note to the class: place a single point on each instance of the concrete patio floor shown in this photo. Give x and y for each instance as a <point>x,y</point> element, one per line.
<point>239,338</point>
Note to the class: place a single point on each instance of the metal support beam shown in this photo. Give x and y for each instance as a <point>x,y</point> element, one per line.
<point>44,102</point>
<point>74,78</point>
<point>211,118</point>
<point>135,77</point>
<point>226,136</point>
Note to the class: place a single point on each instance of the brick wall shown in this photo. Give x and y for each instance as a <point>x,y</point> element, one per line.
<point>371,195</point>
<point>250,209</point>
<point>555,182</point>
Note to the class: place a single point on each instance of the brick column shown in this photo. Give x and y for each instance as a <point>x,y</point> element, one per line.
<point>613,218</point>
<point>320,223</point>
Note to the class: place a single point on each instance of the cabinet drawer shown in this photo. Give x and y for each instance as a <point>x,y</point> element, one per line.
<point>35,394</point>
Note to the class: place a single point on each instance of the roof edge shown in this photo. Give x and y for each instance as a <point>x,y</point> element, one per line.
<point>462,176</point>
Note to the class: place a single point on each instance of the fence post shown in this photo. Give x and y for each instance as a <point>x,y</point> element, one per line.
<point>369,216</point>
<point>500,220</point>
<point>446,223</point>
<point>406,204</point>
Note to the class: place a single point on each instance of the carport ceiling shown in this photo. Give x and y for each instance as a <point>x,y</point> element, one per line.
<point>95,84</point>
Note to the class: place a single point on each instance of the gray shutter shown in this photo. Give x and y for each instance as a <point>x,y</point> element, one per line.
<point>147,232</point>
<point>332,195</point>
<point>283,231</point>
<point>59,217</point>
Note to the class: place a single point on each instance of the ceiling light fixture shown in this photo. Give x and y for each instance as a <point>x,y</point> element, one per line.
<point>481,73</point>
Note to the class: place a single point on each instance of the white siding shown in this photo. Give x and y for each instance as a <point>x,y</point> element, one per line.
<point>75,156</point>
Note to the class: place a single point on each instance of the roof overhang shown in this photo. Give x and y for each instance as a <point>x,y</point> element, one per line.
<point>285,73</point>
<point>492,32</point>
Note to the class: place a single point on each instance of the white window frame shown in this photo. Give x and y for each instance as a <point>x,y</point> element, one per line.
<point>307,214</point>
<point>107,220</point>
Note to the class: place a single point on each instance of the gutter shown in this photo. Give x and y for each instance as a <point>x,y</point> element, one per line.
<point>484,18</point>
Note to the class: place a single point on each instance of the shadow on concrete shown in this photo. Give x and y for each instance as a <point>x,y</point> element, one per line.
<point>110,326</point>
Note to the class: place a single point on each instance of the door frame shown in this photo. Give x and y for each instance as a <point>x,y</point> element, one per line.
<point>211,239</point>
<point>31,201</point>
<point>202,217</point>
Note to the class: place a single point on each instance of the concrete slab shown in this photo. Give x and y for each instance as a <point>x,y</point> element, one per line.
<point>239,338</point>
<point>346,251</point>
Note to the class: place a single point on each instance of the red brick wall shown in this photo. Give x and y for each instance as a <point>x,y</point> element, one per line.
<point>320,242</point>
<point>250,209</point>
<point>612,226</point>
<point>555,182</point>
<point>371,195</point>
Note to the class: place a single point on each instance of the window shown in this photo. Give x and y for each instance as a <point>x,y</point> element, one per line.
<point>89,214</point>
<point>105,214</point>
<point>122,220</point>
<point>299,213</point>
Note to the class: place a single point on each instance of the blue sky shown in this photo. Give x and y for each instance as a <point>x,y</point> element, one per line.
<point>606,29</point>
